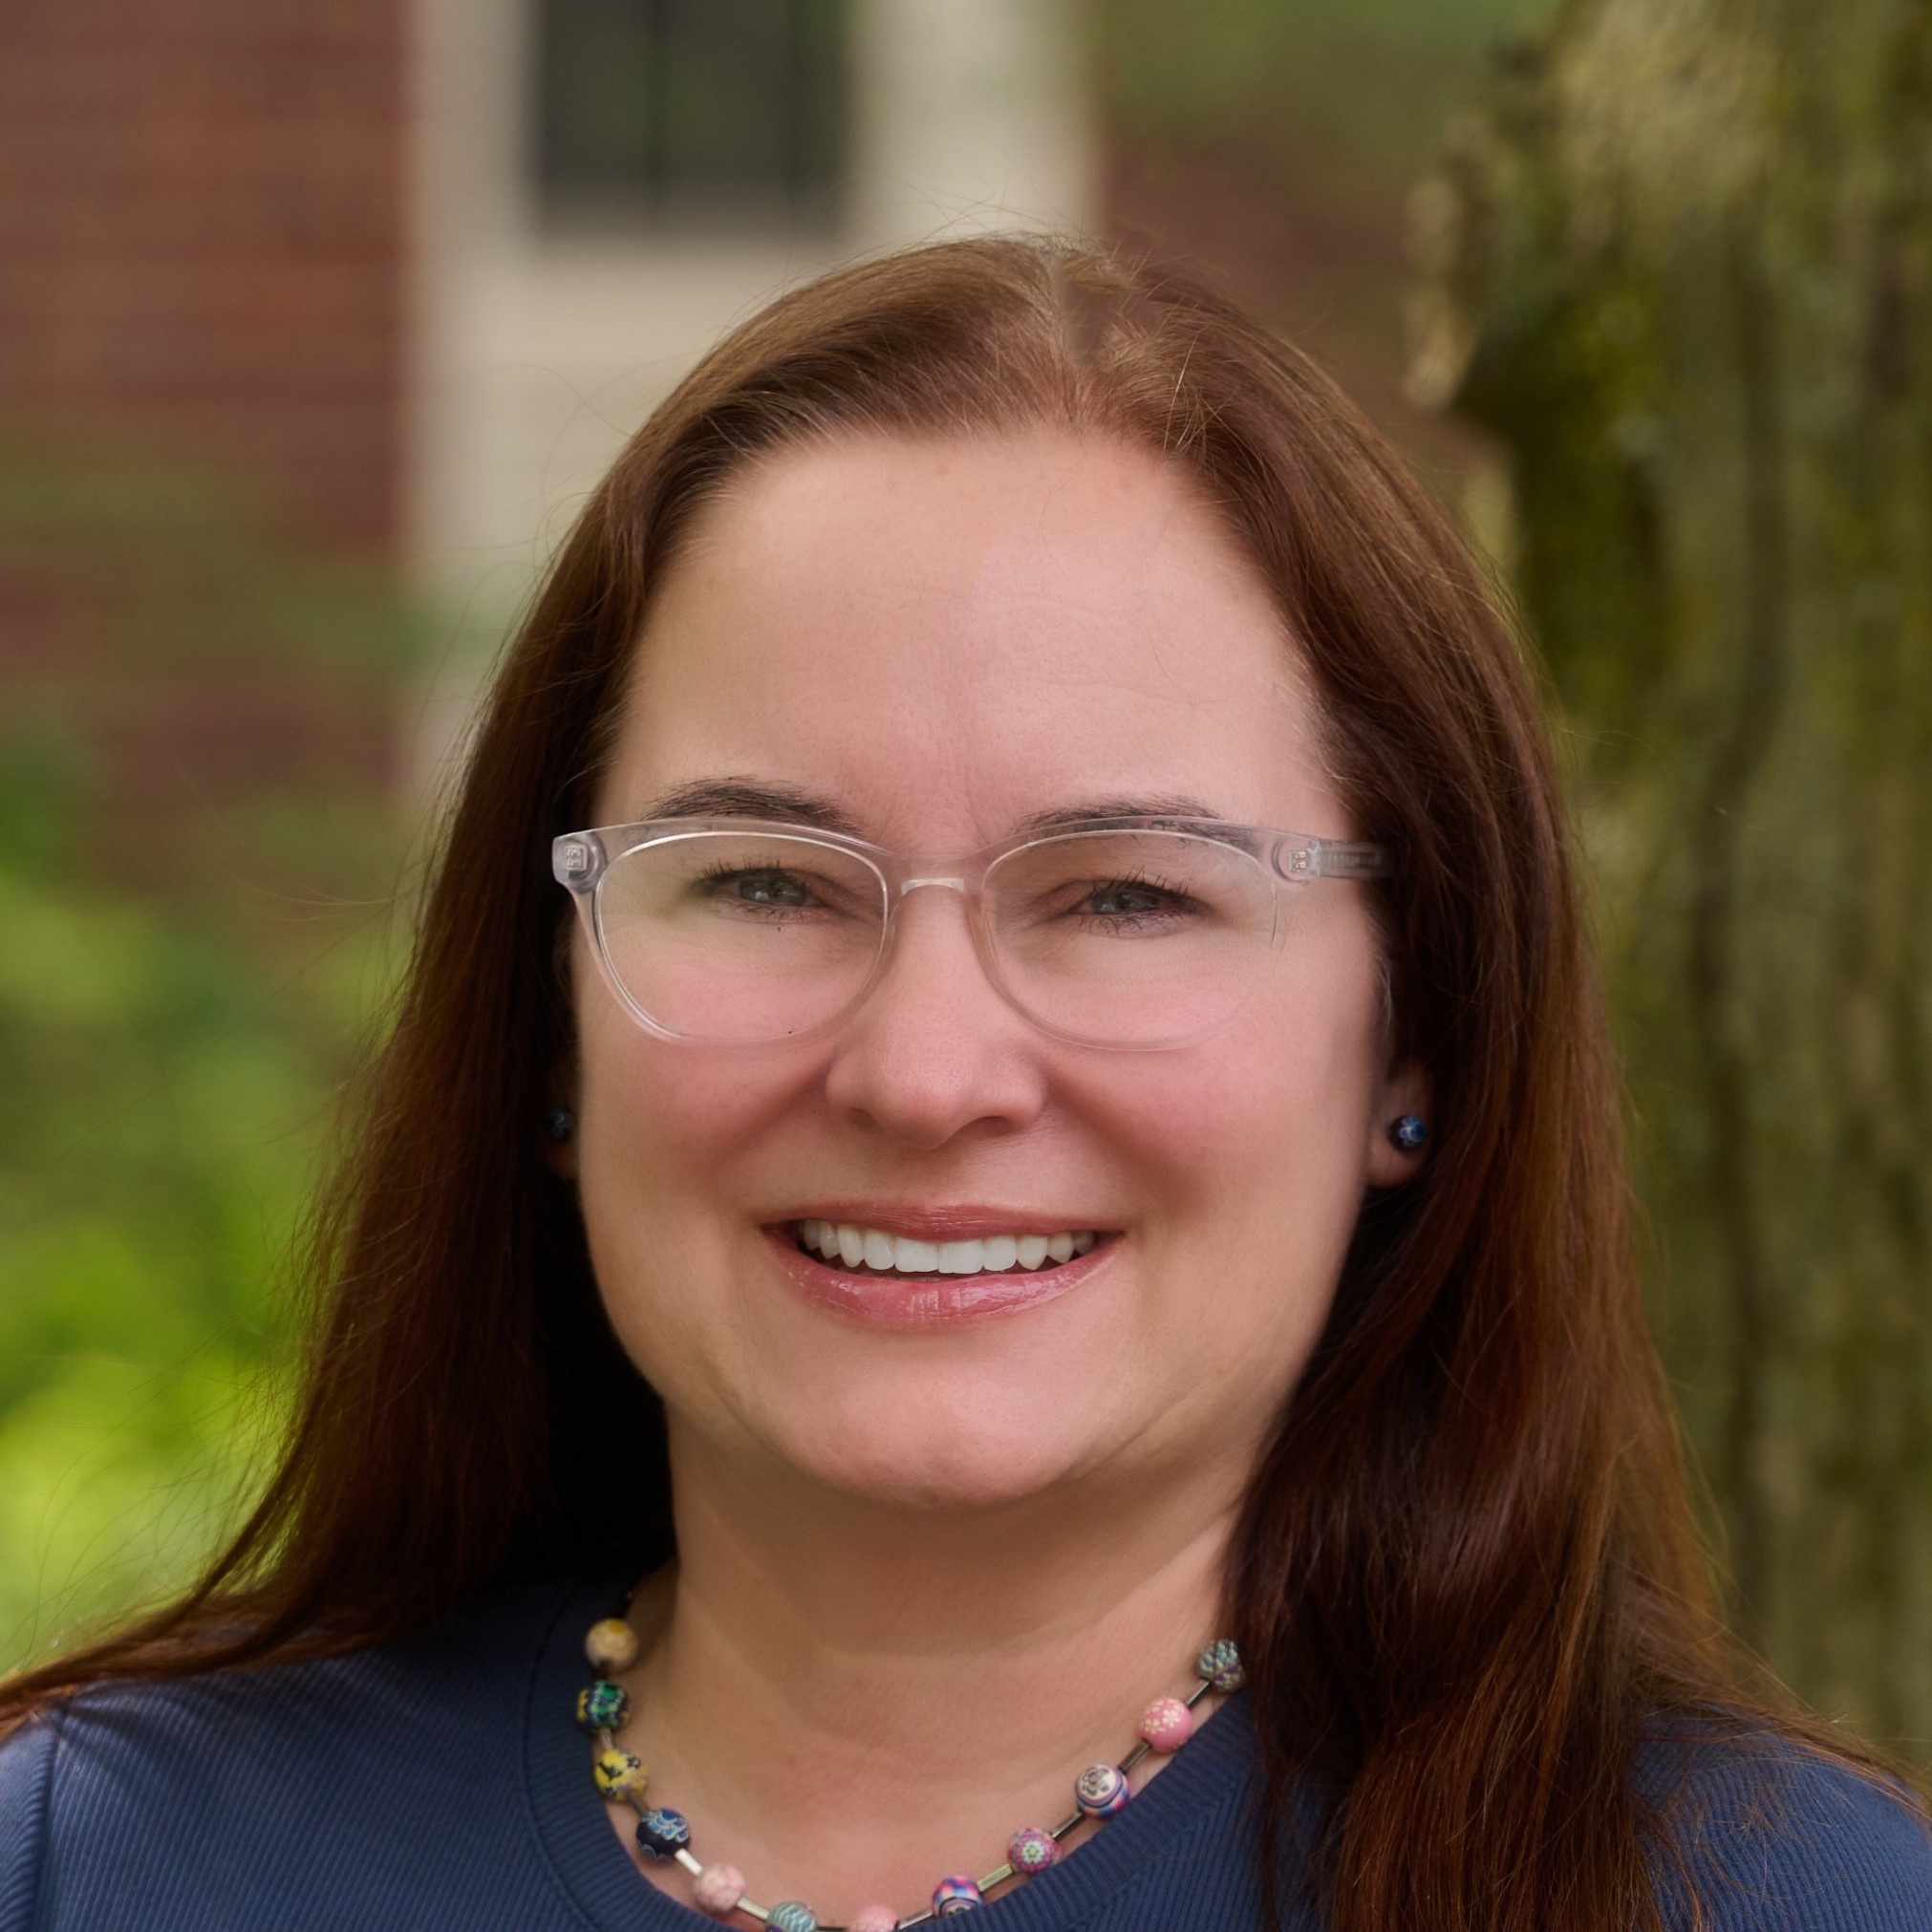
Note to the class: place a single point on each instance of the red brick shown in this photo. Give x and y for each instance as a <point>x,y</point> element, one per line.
<point>203,236</point>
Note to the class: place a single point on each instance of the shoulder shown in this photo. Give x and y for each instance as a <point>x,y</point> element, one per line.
<point>216,1789</point>
<point>26,1783</point>
<point>1772,1835</point>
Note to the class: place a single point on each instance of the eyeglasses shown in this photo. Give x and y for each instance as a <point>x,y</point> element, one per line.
<point>1125,933</point>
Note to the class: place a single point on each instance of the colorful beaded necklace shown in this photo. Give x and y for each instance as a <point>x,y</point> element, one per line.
<point>1099,1791</point>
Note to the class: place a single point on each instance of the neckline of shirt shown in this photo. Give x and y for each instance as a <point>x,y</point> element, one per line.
<point>591,1868</point>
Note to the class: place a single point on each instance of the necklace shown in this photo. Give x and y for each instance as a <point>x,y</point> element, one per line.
<point>1099,1793</point>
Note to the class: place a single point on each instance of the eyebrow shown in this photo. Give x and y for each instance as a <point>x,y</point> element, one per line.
<point>736,798</point>
<point>1070,818</point>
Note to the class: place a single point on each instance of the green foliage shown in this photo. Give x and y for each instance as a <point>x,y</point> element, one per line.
<point>167,1090</point>
<point>1684,268</point>
<point>1356,82</point>
<point>181,989</point>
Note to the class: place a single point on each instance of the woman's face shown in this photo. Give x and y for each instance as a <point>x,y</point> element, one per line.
<point>936,642</point>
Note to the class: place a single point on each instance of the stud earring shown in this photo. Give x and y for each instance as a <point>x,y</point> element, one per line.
<point>1409,1133</point>
<point>559,1124</point>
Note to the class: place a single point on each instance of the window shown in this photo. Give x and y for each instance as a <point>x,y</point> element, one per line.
<point>693,115</point>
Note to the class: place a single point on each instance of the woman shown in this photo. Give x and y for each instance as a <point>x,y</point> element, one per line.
<point>1070,1132</point>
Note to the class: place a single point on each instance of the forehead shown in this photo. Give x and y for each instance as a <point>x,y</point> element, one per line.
<point>948,636</point>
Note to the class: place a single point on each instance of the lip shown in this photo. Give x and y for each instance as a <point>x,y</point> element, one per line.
<point>944,1301</point>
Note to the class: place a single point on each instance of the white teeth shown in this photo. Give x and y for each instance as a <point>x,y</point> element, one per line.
<point>840,1242</point>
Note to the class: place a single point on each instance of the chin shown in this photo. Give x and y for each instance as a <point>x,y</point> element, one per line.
<point>931,1459</point>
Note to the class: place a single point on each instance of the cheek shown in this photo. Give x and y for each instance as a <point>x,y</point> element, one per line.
<point>664,1127</point>
<point>671,1114</point>
<point>1255,1116</point>
<point>1252,1155</point>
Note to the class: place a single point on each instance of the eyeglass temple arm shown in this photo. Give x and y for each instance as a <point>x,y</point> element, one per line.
<point>1334,858</point>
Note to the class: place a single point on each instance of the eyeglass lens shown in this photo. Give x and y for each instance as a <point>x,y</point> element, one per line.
<point>1123,938</point>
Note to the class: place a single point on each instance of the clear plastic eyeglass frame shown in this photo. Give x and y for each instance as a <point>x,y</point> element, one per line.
<point>583,861</point>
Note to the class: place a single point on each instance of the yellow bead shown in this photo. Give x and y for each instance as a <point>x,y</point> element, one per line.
<point>619,1775</point>
<point>612,1645</point>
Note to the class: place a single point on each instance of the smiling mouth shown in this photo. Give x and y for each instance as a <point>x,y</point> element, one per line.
<point>870,1250</point>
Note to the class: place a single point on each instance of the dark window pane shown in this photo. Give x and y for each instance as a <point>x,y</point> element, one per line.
<point>691,113</point>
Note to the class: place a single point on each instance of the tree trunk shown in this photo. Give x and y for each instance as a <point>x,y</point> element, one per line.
<point>1681,267</point>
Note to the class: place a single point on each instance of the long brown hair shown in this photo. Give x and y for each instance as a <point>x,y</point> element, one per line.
<point>1466,1573</point>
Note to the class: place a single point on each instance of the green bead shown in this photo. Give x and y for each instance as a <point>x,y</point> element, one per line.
<point>1220,1666</point>
<point>603,1705</point>
<point>789,1916</point>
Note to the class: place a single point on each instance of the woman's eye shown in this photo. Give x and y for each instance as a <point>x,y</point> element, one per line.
<point>1123,899</point>
<point>764,888</point>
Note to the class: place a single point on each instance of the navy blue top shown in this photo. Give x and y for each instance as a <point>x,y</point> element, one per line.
<point>443,1784</point>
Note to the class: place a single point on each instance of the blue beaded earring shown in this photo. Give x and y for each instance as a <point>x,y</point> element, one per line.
<point>1409,1133</point>
<point>559,1124</point>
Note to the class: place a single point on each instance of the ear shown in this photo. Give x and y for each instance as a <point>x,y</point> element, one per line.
<point>1404,1090</point>
<point>558,1125</point>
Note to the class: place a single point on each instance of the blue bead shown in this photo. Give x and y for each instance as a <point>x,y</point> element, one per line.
<point>1409,1132</point>
<point>1102,1789</point>
<point>790,1915</point>
<point>662,1832</point>
<point>952,1896</point>
<point>1220,1665</point>
<point>603,1705</point>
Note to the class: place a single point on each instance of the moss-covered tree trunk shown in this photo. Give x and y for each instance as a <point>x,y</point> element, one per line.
<point>1682,265</point>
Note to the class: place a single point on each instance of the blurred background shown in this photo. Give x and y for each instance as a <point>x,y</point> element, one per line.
<point>317,324</point>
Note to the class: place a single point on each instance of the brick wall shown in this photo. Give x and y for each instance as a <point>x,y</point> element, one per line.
<point>202,368</point>
<point>201,240</point>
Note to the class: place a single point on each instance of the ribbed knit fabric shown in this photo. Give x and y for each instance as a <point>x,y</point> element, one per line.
<point>443,1784</point>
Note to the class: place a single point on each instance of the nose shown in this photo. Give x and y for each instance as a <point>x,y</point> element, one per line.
<point>935,1051</point>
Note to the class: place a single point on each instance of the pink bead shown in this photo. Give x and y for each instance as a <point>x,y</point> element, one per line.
<point>1167,1724</point>
<point>875,1918</point>
<point>1031,1849</point>
<point>718,1889</point>
<point>954,1894</point>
